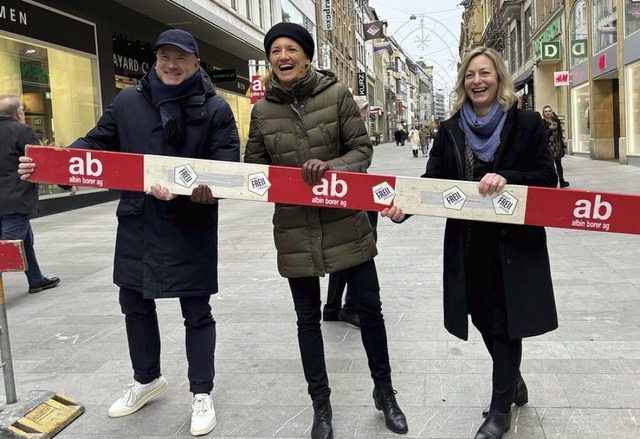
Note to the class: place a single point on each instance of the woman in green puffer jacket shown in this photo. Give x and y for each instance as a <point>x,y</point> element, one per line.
<point>308,120</point>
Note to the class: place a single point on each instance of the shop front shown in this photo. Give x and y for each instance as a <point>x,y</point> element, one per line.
<point>580,123</point>
<point>605,100</point>
<point>632,85</point>
<point>55,73</point>
<point>133,57</point>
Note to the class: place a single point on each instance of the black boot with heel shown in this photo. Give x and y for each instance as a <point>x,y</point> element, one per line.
<point>322,415</point>
<point>521,397</point>
<point>495,425</point>
<point>384,398</point>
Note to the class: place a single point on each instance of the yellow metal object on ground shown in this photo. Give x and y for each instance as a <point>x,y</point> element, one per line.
<point>45,420</point>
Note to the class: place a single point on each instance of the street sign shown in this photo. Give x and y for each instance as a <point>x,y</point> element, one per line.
<point>326,15</point>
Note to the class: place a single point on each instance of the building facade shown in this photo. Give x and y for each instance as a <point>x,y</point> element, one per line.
<point>69,58</point>
<point>581,57</point>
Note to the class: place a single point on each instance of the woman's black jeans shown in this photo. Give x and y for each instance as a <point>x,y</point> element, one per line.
<point>362,281</point>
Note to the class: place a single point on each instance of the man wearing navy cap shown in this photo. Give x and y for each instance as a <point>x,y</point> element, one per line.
<point>166,245</point>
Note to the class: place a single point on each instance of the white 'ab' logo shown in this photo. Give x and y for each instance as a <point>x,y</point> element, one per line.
<point>337,188</point>
<point>601,209</point>
<point>88,166</point>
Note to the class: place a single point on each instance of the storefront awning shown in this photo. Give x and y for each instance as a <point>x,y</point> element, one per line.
<point>375,111</point>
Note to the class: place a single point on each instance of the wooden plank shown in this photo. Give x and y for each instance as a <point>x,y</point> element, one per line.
<point>565,208</point>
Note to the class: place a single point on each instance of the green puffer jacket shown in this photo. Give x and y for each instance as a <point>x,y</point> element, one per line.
<point>318,119</point>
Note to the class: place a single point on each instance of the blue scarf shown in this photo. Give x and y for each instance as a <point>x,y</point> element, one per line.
<point>482,136</point>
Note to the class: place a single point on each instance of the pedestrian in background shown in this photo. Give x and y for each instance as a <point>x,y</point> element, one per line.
<point>424,140</point>
<point>166,246</point>
<point>398,136</point>
<point>414,138</point>
<point>556,141</point>
<point>18,198</point>
<point>307,120</point>
<point>497,273</point>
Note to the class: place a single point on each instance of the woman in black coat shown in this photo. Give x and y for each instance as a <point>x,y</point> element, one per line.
<point>556,140</point>
<point>497,273</point>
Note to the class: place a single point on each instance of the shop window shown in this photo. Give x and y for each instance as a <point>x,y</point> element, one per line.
<point>578,33</point>
<point>632,76</point>
<point>631,16</point>
<point>241,107</point>
<point>580,118</point>
<point>59,90</point>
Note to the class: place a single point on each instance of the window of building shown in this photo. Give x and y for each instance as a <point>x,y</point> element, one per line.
<point>59,90</point>
<point>249,12</point>
<point>512,50</point>
<point>528,28</point>
<point>631,17</point>
<point>234,4</point>
<point>261,13</point>
<point>578,33</point>
<point>241,107</point>
<point>519,43</point>
<point>580,118</point>
<point>605,24</point>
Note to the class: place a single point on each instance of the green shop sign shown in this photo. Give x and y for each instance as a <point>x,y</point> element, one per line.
<point>548,34</point>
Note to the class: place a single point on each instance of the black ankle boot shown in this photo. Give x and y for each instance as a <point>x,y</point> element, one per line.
<point>521,398</point>
<point>495,426</point>
<point>322,415</point>
<point>384,398</point>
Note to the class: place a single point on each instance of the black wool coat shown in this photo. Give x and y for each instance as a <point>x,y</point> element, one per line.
<point>16,196</point>
<point>166,248</point>
<point>522,158</point>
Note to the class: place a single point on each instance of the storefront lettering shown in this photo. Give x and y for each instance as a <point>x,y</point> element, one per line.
<point>125,62</point>
<point>548,34</point>
<point>13,15</point>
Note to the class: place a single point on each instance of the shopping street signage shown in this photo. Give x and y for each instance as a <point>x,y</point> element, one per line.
<point>579,49</point>
<point>550,51</point>
<point>548,34</point>
<point>327,17</point>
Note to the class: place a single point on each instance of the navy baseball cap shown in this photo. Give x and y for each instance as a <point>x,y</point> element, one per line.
<point>179,38</point>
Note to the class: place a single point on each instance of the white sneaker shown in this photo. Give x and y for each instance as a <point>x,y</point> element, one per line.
<point>203,416</point>
<point>136,395</point>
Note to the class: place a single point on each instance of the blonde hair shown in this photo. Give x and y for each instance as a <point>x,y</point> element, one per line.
<point>506,94</point>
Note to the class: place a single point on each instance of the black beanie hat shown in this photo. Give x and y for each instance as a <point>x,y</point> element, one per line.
<point>290,30</point>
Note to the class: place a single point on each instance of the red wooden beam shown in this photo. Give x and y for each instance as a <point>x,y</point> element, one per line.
<point>12,256</point>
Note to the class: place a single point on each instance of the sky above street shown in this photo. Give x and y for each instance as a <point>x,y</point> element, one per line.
<point>432,36</point>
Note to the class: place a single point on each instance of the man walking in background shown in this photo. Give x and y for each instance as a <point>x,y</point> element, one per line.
<point>18,198</point>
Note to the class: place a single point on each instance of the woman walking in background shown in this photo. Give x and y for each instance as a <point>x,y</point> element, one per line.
<point>556,140</point>
<point>414,138</point>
